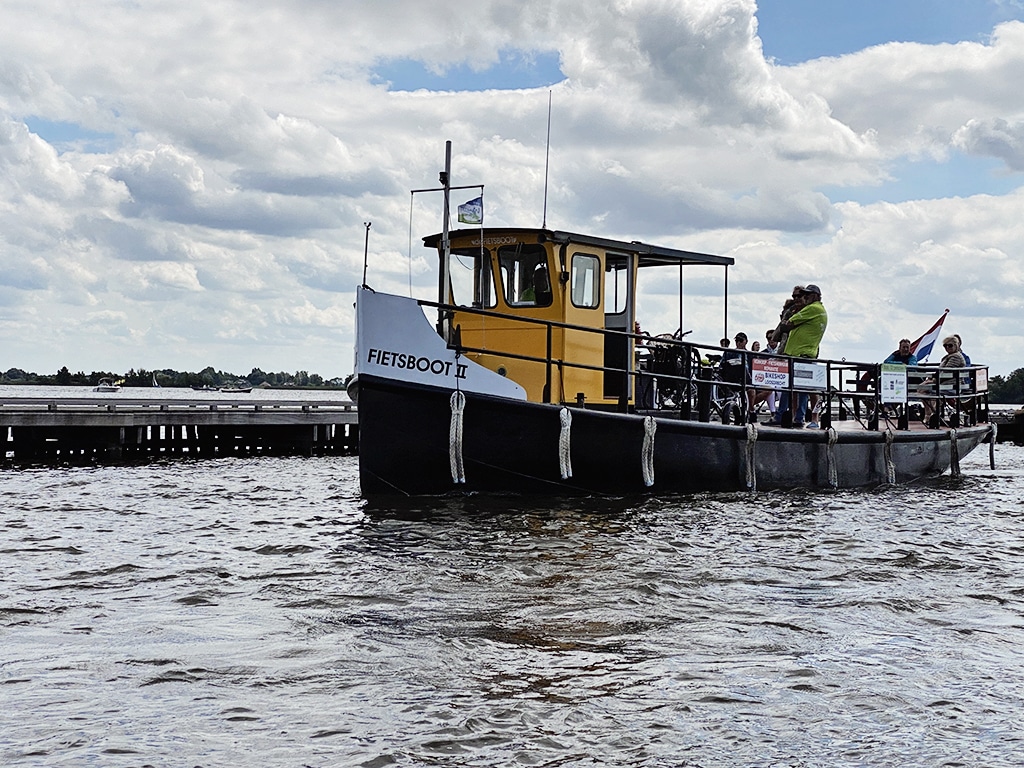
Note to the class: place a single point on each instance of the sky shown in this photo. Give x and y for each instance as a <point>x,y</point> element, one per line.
<point>188,185</point>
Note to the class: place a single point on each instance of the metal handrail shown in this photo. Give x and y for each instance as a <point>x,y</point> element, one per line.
<point>695,354</point>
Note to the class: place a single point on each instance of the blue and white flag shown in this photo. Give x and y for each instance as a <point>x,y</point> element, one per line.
<point>472,211</point>
<point>923,346</point>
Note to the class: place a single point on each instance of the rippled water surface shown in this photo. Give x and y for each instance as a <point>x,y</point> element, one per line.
<point>258,612</point>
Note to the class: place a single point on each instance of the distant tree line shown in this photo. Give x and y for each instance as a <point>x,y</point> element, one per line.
<point>1007,390</point>
<point>167,377</point>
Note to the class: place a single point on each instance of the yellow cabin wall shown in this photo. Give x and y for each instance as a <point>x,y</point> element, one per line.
<point>504,335</point>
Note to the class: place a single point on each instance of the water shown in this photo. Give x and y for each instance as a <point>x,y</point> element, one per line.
<point>258,612</point>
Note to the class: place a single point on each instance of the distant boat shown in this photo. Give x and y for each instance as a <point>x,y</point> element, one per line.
<point>238,388</point>
<point>155,383</point>
<point>107,385</point>
<point>205,388</point>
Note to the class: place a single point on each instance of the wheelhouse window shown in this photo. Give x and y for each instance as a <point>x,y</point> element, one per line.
<point>471,279</point>
<point>586,280</point>
<point>524,275</point>
<point>616,287</point>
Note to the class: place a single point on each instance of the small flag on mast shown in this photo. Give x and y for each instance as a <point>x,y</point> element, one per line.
<point>472,211</point>
<point>922,347</point>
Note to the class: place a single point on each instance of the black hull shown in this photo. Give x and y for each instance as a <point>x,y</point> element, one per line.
<point>512,446</point>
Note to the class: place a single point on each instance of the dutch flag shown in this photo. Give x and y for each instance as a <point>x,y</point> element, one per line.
<point>923,346</point>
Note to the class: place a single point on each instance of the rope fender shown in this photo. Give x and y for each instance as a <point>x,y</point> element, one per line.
<point>647,452</point>
<point>890,465</point>
<point>751,466</point>
<point>564,457</point>
<point>458,404</point>
<point>830,456</point>
<point>954,454</point>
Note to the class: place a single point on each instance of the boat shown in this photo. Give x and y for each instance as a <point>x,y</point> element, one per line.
<point>155,382</point>
<point>205,388</point>
<point>514,383</point>
<point>238,388</point>
<point>107,384</point>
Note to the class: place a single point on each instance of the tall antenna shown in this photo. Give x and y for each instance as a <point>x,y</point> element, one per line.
<point>366,250</point>
<point>547,153</point>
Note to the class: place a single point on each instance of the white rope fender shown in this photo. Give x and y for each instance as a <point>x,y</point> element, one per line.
<point>647,452</point>
<point>954,454</point>
<point>564,457</point>
<point>751,467</point>
<point>830,456</point>
<point>890,465</point>
<point>458,403</point>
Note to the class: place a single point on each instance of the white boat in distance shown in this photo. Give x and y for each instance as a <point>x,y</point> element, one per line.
<point>107,385</point>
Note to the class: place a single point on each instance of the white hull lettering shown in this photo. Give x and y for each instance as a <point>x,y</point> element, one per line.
<point>411,362</point>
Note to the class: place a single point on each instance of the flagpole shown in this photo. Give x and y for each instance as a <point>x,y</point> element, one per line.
<point>442,288</point>
<point>547,154</point>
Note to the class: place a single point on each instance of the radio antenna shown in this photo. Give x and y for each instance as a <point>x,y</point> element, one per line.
<point>547,153</point>
<point>366,250</point>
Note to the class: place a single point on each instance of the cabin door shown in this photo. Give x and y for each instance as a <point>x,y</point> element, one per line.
<point>619,288</point>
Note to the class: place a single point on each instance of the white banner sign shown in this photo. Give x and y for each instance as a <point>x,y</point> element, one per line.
<point>894,383</point>
<point>810,375</point>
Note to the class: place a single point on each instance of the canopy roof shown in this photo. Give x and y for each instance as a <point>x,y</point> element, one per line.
<point>648,255</point>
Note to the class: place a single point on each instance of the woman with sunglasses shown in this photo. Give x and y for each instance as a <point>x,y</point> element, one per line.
<point>953,358</point>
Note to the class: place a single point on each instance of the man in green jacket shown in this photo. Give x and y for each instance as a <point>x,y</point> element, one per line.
<point>806,329</point>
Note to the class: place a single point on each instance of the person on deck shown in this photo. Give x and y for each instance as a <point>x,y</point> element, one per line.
<point>953,358</point>
<point>806,328</point>
<point>902,355</point>
<point>789,308</point>
<point>735,369</point>
<point>959,341</point>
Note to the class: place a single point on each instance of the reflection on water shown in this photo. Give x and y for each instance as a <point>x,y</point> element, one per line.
<point>257,611</point>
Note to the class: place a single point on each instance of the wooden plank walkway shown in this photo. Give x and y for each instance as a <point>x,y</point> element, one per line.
<point>119,428</point>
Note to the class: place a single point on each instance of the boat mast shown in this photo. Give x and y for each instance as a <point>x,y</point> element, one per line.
<point>366,250</point>
<point>547,154</point>
<point>446,246</point>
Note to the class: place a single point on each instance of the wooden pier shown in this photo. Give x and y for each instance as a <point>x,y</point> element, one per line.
<point>88,429</point>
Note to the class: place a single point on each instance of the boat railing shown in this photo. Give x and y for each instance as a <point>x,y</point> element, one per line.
<point>685,377</point>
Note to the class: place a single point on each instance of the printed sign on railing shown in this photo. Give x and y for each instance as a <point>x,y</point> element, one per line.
<point>769,372</point>
<point>894,383</point>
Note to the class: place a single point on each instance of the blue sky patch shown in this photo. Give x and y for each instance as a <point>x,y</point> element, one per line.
<point>959,176</point>
<point>65,136</point>
<point>800,30</point>
<point>515,69</point>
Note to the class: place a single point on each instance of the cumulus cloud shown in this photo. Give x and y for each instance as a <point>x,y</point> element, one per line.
<point>995,137</point>
<point>221,219</point>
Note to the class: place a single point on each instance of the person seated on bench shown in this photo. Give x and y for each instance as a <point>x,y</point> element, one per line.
<point>952,359</point>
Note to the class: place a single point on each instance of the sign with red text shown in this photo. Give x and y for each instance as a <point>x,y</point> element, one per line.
<point>769,372</point>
